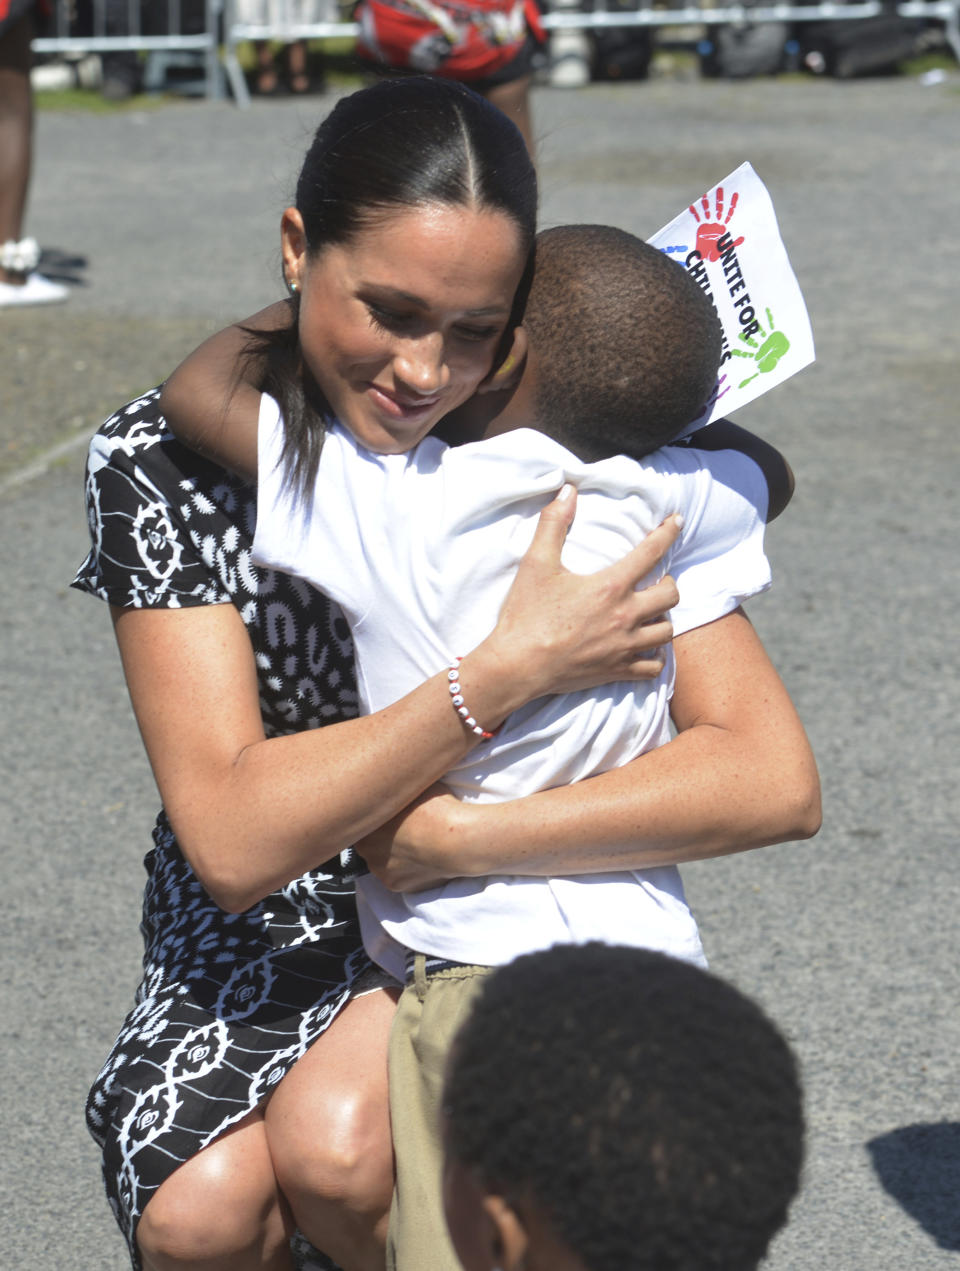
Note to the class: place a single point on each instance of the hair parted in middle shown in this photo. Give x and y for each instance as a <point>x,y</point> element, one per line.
<point>407,143</point>
<point>395,146</point>
<point>627,345</point>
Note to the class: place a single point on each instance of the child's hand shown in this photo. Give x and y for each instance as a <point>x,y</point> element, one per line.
<point>411,851</point>
<point>724,435</point>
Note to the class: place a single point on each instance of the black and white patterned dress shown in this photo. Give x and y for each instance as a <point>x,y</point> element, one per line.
<point>228,1002</point>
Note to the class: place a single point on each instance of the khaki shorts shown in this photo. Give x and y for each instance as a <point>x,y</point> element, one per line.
<point>430,1011</point>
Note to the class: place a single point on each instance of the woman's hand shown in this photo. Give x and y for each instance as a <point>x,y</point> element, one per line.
<point>417,848</point>
<point>559,632</point>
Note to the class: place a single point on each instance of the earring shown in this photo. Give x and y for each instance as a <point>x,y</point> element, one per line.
<point>292,287</point>
<point>509,363</point>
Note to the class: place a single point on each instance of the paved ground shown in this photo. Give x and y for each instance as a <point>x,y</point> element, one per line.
<point>166,220</point>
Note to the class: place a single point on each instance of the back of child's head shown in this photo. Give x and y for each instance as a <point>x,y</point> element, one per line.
<point>649,1111</point>
<point>627,345</point>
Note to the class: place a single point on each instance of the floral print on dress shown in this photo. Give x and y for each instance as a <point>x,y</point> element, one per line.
<point>227,1003</point>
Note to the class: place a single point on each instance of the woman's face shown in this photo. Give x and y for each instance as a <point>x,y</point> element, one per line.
<point>400,324</point>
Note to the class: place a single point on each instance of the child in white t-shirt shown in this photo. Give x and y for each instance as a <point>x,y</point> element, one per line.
<point>419,549</point>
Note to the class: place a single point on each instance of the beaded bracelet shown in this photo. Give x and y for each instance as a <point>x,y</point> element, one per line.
<point>456,696</point>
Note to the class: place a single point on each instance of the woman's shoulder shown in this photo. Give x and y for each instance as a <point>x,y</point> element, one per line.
<point>170,530</point>
<point>136,439</point>
<point>137,467</point>
<point>168,527</point>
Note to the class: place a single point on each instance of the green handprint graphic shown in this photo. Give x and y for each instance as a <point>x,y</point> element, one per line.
<point>768,353</point>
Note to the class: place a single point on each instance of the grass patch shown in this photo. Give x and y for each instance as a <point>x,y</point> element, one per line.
<point>941,60</point>
<point>90,100</point>
<point>674,59</point>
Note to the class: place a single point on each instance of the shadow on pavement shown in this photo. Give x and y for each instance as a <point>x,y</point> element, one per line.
<point>61,266</point>
<point>919,1166</point>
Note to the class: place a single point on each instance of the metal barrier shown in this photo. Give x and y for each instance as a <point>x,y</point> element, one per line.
<point>945,11</point>
<point>116,26</point>
<point>568,18</point>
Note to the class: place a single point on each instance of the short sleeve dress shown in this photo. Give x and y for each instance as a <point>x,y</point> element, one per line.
<point>228,1002</point>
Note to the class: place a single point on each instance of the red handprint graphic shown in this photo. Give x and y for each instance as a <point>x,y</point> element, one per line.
<point>710,232</point>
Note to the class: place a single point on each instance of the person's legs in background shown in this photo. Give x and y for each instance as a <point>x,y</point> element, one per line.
<point>122,70</point>
<point>19,256</point>
<point>268,82</point>
<point>397,39</point>
<point>513,99</point>
<point>298,74</point>
<point>16,129</point>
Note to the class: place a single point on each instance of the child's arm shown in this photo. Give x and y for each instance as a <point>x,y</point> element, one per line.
<point>212,400</point>
<point>722,435</point>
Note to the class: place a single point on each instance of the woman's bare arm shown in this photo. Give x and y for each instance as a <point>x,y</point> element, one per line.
<point>739,774</point>
<point>252,813</point>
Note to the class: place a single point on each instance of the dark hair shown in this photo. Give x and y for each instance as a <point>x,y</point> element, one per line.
<point>649,1111</point>
<point>398,144</point>
<point>627,345</point>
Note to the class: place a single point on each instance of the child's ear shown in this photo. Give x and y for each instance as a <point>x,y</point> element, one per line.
<point>293,246</point>
<point>508,1234</point>
<point>507,374</point>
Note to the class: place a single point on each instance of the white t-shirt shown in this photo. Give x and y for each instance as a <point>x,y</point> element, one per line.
<point>419,550</point>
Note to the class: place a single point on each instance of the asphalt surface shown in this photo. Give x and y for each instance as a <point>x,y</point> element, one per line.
<point>166,219</point>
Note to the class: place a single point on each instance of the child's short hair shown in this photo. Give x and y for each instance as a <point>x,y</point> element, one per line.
<point>627,345</point>
<point>649,1110</point>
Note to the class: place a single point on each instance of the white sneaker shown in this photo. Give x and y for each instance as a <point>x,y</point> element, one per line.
<point>37,290</point>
